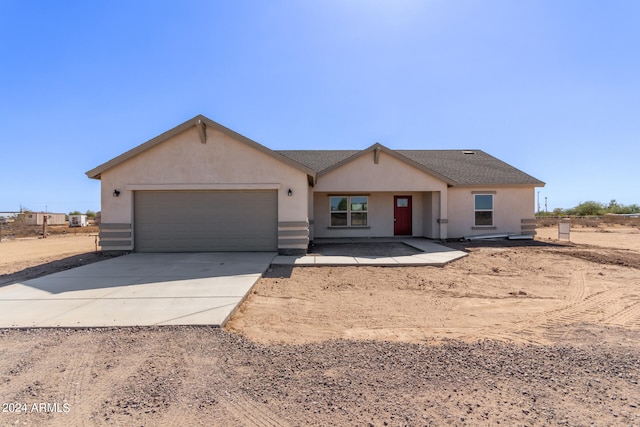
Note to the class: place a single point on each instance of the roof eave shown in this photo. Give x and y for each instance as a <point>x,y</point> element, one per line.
<point>97,172</point>
<point>500,184</point>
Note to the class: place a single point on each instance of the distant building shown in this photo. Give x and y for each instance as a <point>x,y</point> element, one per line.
<point>78,221</point>
<point>37,218</point>
<point>629,215</point>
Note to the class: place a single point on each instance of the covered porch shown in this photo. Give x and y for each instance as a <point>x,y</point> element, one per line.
<point>385,214</point>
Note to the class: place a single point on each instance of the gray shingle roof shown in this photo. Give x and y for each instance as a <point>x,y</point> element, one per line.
<point>468,169</point>
<point>452,166</point>
<point>462,167</point>
<point>318,160</point>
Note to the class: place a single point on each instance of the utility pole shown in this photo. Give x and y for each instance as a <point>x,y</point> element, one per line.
<point>538,202</point>
<point>44,226</point>
<point>545,204</point>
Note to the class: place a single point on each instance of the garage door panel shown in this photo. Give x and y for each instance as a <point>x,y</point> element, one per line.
<point>195,221</point>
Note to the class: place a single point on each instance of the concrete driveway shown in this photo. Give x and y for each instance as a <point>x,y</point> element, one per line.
<point>135,290</point>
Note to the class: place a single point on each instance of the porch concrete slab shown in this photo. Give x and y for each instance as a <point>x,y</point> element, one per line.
<point>427,246</point>
<point>375,260</point>
<point>415,260</point>
<point>358,239</point>
<point>294,260</point>
<point>136,290</point>
<point>440,256</point>
<point>335,260</point>
<point>433,254</point>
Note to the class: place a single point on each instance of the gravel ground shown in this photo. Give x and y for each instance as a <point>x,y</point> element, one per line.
<point>206,376</point>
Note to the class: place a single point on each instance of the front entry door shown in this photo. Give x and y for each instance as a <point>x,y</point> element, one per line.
<point>402,215</point>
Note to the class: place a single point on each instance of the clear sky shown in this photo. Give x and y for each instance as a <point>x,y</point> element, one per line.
<point>551,87</point>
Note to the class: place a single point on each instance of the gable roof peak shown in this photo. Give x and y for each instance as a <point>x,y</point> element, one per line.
<point>201,122</point>
<point>376,145</point>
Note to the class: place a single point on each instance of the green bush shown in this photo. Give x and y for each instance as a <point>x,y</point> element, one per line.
<point>590,208</point>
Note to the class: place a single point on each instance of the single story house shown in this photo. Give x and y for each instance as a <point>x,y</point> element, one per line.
<point>203,187</point>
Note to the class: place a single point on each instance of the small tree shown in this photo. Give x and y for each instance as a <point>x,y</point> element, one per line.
<point>90,214</point>
<point>75,213</point>
<point>614,207</point>
<point>589,208</point>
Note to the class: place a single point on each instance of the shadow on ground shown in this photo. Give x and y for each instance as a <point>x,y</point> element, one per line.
<point>53,267</point>
<point>363,249</point>
<point>503,243</point>
<point>278,272</point>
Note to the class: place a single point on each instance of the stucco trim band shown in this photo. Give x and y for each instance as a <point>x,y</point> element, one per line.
<point>292,243</point>
<point>293,235</point>
<point>112,234</point>
<point>123,243</point>
<point>115,235</point>
<point>114,226</point>
<point>292,224</point>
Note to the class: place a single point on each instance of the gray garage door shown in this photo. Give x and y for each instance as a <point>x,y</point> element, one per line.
<point>201,221</point>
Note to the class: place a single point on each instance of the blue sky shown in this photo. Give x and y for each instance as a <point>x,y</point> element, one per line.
<point>551,87</point>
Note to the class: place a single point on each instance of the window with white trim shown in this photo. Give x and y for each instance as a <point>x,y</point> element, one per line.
<point>483,206</point>
<point>349,211</point>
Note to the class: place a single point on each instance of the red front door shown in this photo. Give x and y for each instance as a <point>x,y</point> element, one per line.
<point>402,215</point>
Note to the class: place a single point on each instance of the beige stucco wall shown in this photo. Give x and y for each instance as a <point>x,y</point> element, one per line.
<point>431,213</point>
<point>310,196</point>
<point>510,205</point>
<point>184,162</point>
<point>390,174</point>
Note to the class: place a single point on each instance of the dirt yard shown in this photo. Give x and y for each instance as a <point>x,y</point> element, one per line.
<point>519,333</point>
<point>23,259</point>
<point>528,292</point>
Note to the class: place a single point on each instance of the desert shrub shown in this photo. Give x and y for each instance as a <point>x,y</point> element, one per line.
<point>20,229</point>
<point>589,208</point>
<point>576,221</point>
<point>616,208</point>
<point>594,221</point>
<point>548,221</point>
<point>621,220</point>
